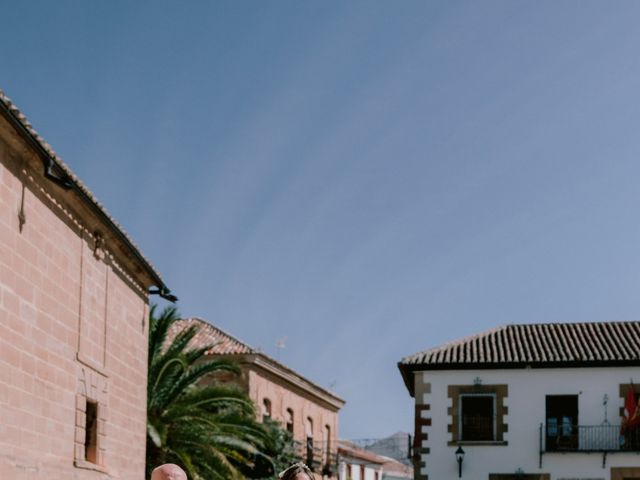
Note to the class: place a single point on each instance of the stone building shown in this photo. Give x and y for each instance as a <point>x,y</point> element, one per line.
<point>528,402</point>
<point>73,322</point>
<point>307,410</point>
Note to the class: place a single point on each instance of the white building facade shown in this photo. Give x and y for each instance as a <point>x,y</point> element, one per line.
<point>356,463</point>
<point>530,402</point>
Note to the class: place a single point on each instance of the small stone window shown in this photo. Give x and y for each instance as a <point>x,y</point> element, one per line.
<point>477,413</point>
<point>266,409</point>
<point>91,421</point>
<point>91,432</point>
<point>289,420</point>
<point>477,417</point>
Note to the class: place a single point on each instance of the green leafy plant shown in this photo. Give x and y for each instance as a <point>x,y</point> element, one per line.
<point>210,429</point>
<point>280,447</point>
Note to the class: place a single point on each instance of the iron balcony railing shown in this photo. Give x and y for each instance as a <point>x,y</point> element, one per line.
<point>318,458</point>
<point>588,438</point>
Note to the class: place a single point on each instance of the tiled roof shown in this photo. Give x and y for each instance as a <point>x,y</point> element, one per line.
<point>535,345</point>
<point>396,468</point>
<point>539,343</point>
<point>226,344</point>
<point>207,334</point>
<point>351,450</point>
<point>17,116</point>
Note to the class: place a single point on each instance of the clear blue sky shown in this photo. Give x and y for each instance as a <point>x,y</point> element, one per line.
<point>367,179</point>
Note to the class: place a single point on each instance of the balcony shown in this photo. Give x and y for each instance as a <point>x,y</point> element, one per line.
<point>317,458</point>
<point>603,439</point>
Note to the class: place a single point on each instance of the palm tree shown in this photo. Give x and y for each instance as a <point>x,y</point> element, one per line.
<point>210,430</point>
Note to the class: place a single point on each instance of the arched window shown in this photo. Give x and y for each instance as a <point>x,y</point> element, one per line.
<point>308,431</point>
<point>266,409</point>
<point>289,420</point>
<point>309,434</point>
<point>327,444</point>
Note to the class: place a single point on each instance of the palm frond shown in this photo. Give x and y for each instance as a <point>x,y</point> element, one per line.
<point>210,430</point>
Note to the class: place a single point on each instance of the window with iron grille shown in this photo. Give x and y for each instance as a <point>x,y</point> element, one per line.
<point>477,417</point>
<point>478,413</point>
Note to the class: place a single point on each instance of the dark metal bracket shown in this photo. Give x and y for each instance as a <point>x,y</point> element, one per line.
<point>22,217</point>
<point>164,293</point>
<point>63,181</point>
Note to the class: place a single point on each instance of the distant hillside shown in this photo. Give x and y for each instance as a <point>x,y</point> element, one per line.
<point>395,446</point>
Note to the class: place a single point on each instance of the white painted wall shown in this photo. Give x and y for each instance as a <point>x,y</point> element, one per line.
<point>369,470</point>
<point>526,401</point>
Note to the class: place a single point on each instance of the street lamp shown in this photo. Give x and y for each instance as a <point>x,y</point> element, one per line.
<point>459,459</point>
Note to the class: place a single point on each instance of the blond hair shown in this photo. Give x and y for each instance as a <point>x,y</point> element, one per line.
<point>295,469</point>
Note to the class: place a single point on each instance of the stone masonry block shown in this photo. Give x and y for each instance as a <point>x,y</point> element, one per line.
<point>81,402</point>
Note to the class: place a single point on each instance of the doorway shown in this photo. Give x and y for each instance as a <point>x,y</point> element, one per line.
<point>561,422</point>
<point>625,473</point>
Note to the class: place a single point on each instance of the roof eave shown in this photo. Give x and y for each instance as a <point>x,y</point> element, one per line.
<point>407,376</point>
<point>65,181</point>
<point>404,367</point>
<point>293,377</point>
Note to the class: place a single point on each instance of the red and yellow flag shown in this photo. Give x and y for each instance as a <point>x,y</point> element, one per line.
<point>631,410</point>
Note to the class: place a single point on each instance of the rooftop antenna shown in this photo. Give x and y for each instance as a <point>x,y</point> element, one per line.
<point>281,345</point>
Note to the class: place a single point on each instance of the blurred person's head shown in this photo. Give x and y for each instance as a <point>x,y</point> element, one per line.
<point>168,471</point>
<point>297,471</point>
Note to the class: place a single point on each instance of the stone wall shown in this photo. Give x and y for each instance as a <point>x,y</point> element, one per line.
<point>73,333</point>
<point>282,397</point>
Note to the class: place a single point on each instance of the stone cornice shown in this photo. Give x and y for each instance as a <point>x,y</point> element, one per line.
<point>266,363</point>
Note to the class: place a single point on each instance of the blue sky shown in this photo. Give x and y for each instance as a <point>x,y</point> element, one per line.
<point>367,179</point>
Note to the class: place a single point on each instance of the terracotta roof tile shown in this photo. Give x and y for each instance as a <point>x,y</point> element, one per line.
<point>22,119</point>
<point>226,344</point>
<point>562,343</point>
<point>208,334</point>
<point>350,449</point>
<point>393,466</point>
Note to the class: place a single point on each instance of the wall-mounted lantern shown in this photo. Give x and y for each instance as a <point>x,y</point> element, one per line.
<point>459,459</point>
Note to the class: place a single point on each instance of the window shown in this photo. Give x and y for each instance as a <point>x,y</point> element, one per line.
<point>349,474</point>
<point>89,446</point>
<point>91,433</point>
<point>327,444</point>
<point>562,422</point>
<point>630,438</point>
<point>478,413</point>
<point>309,435</point>
<point>477,417</point>
<point>266,409</point>
<point>289,420</point>
<point>361,472</point>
